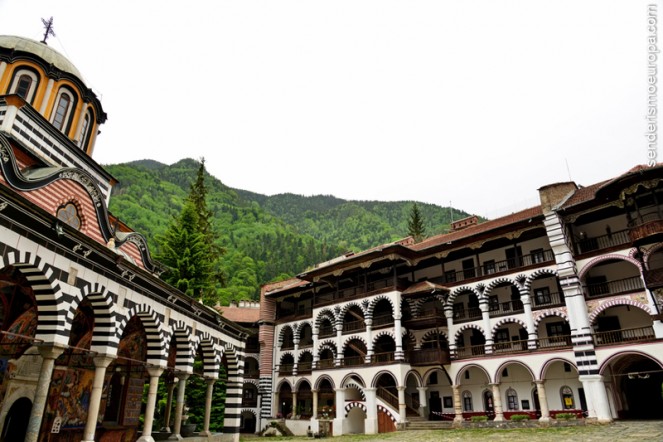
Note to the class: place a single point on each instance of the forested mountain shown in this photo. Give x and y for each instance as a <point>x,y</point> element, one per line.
<point>264,237</point>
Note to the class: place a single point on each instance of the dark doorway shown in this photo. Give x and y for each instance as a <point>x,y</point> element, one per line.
<point>16,422</point>
<point>639,382</point>
<point>435,406</point>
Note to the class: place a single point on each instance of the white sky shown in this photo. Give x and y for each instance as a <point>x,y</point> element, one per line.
<point>475,102</point>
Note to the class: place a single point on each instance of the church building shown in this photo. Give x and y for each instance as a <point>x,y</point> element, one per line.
<point>86,325</point>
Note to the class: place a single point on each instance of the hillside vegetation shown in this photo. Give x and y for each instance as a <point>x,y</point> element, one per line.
<point>265,238</point>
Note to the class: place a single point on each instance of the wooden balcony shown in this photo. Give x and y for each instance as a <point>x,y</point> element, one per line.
<point>647,228</point>
<point>382,321</point>
<point>510,347</point>
<point>352,361</point>
<point>325,364</point>
<point>547,300</point>
<point>602,243</point>
<point>641,334</point>
<point>354,326</point>
<point>383,358</point>
<point>428,356</point>
<point>497,308</point>
<point>654,278</point>
<point>286,369</point>
<point>432,318</point>
<point>495,268</point>
<point>360,291</point>
<point>471,314</point>
<point>326,332</point>
<point>616,287</point>
<point>304,367</point>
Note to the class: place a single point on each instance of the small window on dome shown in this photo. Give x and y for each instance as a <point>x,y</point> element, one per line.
<point>68,214</point>
<point>63,111</point>
<point>24,84</point>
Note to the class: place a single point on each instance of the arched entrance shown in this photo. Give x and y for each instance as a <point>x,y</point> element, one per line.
<point>16,422</point>
<point>248,422</point>
<point>636,381</point>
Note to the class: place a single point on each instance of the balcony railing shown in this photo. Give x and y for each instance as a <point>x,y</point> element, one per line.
<point>506,307</point>
<point>544,300</point>
<point>383,357</point>
<point>618,286</point>
<point>305,344</point>
<point>353,326</point>
<point>382,320</point>
<point>647,225</point>
<point>586,245</point>
<point>625,335</point>
<point>470,314</point>
<point>554,342</point>
<point>249,403</point>
<point>510,346</point>
<point>496,267</point>
<point>349,361</point>
<point>428,356</point>
<point>286,369</point>
<point>252,374</point>
<point>325,363</point>
<point>304,367</point>
<point>361,290</point>
<point>326,332</point>
<point>470,351</point>
<point>288,345</point>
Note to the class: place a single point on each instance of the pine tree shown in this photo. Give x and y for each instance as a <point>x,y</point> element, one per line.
<point>415,225</point>
<point>188,247</point>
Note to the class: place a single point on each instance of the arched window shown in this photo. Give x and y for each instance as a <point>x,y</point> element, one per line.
<point>567,397</point>
<point>511,399</point>
<point>86,130</point>
<point>64,104</point>
<point>68,214</point>
<point>467,401</point>
<point>24,84</point>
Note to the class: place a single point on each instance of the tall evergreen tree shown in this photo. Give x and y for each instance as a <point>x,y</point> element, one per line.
<point>415,224</point>
<point>188,247</point>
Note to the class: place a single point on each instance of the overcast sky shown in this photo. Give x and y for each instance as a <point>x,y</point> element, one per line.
<point>475,102</point>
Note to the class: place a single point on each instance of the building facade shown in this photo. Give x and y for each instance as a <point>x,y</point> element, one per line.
<point>86,323</point>
<point>553,309</point>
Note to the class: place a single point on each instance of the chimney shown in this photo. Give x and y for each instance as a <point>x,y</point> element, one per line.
<point>553,194</point>
<point>464,223</point>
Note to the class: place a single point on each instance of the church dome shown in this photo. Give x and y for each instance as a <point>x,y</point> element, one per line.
<point>41,50</point>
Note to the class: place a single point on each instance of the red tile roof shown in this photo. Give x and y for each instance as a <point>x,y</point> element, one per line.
<point>240,314</point>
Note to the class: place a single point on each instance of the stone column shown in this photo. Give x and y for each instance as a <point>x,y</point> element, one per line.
<point>179,407</point>
<point>371,422</point>
<point>497,403</point>
<point>49,353</point>
<point>277,404</point>
<point>315,404</point>
<point>485,315</point>
<point>339,344</point>
<point>208,406</point>
<point>402,410</point>
<point>295,363</point>
<point>294,403</point>
<point>340,411</point>
<point>101,363</point>
<point>316,356</point>
<point>423,401</point>
<point>449,315</point>
<point>155,373</point>
<point>529,319</point>
<point>458,405</point>
<point>543,401</point>
<point>597,397</point>
<point>399,355</point>
<point>369,339</point>
<point>169,406</point>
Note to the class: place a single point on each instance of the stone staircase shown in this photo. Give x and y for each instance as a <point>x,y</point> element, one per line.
<point>419,423</point>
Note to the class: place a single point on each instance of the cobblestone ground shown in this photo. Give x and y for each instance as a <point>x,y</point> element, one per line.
<point>625,431</point>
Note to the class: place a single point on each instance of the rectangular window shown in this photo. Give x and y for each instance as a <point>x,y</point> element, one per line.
<point>489,267</point>
<point>542,296</point>
<point>555,329</point>
<point>450,276</point>
<point>537,256</point>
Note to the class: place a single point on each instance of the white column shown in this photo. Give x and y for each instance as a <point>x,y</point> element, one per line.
<point>529,319</point>
<point>295,363</point>
<point>49,354</point>
<point>423,401</point>
<point>315,404</point>
<point>179,407</point>
<point>449,315</point>
<point>316,356</point>
<point>497,403</point>
<point>155,373</point>
<point>485,314</point>
<point>339,344</point>
<point>208,406</point>
<point>597,397</point>
<point>101,363</point>
<point>402,410</point>
<point>458,405</point>
<point>340,411</point>
<point>276,404</point>
<point>369,338</point>
<point>371,422</point>
<point>398,354</point>
<point>169,406</point>
<point>543,400</point>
